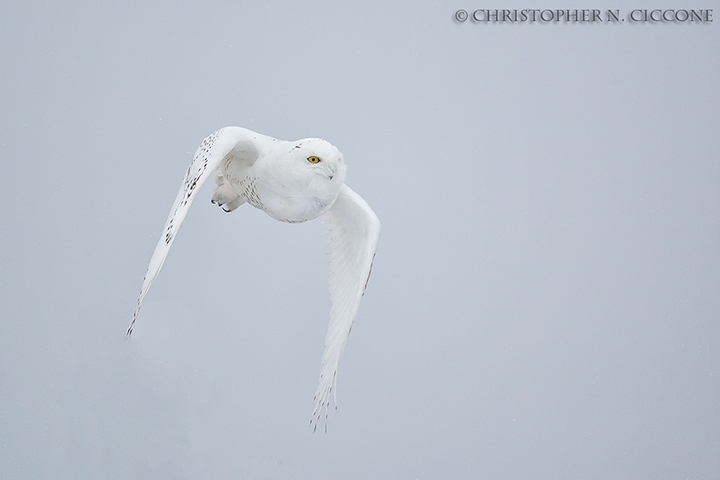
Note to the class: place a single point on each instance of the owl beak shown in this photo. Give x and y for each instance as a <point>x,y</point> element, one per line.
<point>333,171</point>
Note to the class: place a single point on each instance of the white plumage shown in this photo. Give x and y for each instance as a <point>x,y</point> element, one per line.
<point>292,182</point>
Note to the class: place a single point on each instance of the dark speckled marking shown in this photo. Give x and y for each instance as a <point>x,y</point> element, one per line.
<point>192,177</point>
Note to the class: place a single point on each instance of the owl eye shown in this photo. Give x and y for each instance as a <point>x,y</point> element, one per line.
<point>313,159</point>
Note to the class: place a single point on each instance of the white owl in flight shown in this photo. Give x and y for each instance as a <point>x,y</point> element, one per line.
<point>292,182</point>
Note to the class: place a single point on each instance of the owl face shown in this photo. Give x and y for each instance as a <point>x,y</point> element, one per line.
<point>319,158</point>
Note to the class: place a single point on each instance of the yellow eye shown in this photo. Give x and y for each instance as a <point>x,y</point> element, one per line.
<point>313,159</point>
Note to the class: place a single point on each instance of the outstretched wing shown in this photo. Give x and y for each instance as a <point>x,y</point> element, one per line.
<point>353,230</point>
<point>242,143</point>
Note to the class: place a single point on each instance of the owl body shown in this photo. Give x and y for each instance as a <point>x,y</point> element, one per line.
<point>290,181</point>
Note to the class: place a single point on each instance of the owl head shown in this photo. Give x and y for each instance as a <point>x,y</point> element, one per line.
<point>318,160</point>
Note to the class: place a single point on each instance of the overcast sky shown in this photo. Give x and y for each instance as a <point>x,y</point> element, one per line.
<point>545,300</point>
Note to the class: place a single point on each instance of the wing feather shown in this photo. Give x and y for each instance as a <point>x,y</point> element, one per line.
<point>206,160</point>
<point>353,230</point>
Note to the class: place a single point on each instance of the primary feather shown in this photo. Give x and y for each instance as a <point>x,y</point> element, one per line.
<point>353,230</point>
<point>292,182</point>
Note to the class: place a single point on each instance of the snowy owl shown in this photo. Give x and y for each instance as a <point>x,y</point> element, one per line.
<point>292,182</point>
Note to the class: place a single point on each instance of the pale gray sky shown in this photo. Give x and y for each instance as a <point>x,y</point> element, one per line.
<point>546,294</point>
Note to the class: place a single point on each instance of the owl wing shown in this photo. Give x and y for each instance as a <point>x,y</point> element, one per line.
<point>244,144</point>
<point>353,230</point>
